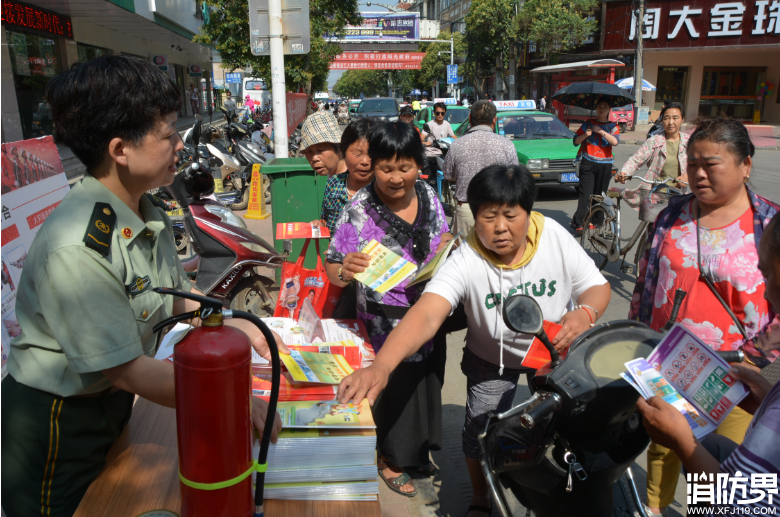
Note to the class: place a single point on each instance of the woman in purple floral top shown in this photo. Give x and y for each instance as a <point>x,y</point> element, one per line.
<point>405,216</point>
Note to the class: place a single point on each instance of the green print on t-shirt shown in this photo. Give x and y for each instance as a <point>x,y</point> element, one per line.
<point>493,299</point>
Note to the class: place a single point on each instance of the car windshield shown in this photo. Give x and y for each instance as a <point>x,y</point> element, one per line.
<point>456,116</point>
<point>532,127</point>
<point>377,106</point>
<point>254,85</point>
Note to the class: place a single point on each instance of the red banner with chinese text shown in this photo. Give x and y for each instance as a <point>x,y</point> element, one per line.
<point>378,61</point>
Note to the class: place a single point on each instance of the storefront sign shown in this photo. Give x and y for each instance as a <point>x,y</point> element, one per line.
<point>384,26</point>
<point>26,16</point>
<point>694,23</point>
<point>33,184</point>
<point>161,61</point>
<point>378,61</point>
<point>196,71</point>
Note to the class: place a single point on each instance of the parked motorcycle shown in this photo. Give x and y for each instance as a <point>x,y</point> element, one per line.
<point>563,451</point>
<point>228,251</point>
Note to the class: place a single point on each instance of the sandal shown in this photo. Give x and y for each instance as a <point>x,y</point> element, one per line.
<point>429,470</point>
<point>479,508</point>
<point>395,484</point>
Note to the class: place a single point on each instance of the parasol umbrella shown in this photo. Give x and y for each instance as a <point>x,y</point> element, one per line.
<point>467,90</point>
<point>586,95</point>
<point>415,92</point>
<point>628,84</point>
<point>424,92</point>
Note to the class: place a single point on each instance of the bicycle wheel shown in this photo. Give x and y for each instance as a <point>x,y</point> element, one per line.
<point>597,239</point>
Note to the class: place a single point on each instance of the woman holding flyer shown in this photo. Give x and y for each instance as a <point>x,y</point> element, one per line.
<point>405,216</point>
<point>759,453</point>
<point>511,250</point>
<point>706,243</point>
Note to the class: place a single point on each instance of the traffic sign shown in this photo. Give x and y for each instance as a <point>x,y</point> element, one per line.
<point>295,25</point>
<point>452,74</point>
<point>233,78</point>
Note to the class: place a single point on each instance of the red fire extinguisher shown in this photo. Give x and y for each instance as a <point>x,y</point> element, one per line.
<point>213,379</point>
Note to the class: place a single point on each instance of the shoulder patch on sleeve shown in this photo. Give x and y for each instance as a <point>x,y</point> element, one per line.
<point>100,228</point>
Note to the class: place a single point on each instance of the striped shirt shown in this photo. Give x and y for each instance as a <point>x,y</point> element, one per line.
<point>759,453</point>
<point>336,196</point>
<point>596,148</point>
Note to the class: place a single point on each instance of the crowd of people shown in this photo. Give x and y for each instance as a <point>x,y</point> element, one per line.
<point>72,380</point>
<point>708,242</point>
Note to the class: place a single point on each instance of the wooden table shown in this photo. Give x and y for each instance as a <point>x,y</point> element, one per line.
<point>141,474</point>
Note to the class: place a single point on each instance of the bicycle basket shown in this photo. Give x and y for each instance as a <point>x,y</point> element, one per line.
<point>651,204</point>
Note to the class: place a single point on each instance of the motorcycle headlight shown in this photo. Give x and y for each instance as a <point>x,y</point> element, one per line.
<point>257,248</point>
<point>226,215</point>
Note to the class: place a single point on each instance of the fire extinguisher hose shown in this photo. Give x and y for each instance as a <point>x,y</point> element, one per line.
<point>265,441</point>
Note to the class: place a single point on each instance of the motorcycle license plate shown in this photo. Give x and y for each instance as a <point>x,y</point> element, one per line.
<point>179,211</point>
<point>569,177</point>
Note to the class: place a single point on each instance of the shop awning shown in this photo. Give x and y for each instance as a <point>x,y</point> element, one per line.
<point>579,65</point>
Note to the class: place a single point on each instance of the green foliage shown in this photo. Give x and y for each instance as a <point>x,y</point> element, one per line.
<point>368,82</point>
<point>228,32</point>
<point>434,65</point>
<point>490,33</point>
<point>556,25</point>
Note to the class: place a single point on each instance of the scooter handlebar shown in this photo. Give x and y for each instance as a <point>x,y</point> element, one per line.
<point>549,402</point>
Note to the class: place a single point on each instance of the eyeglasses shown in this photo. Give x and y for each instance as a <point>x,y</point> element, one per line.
<point>437,113</point>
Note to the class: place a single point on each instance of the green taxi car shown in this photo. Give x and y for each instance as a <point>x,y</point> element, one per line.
<point>456,116</point>
<point>543,143</point>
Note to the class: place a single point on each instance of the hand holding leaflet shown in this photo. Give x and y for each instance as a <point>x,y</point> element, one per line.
<point>385,270</point>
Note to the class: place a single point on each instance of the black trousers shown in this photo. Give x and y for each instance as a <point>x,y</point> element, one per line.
<point>594,179</point>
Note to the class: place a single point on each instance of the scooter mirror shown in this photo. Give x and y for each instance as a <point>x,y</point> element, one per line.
<point>287,246</point>
<point>522,314</point>
<point>198,117</point>
<point>196,138</point>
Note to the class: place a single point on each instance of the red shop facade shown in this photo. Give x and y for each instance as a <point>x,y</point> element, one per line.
<point>709,55</point>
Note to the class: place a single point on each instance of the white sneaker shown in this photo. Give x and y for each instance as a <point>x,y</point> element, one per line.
<point>650,513</point>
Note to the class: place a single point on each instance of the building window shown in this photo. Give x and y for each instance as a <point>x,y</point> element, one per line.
<point>730,91</point>
<point>34,61</point>
<point>90,52</point>
<point>672,86</point>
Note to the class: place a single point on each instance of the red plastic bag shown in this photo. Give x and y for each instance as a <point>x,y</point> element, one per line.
<point>298,282</point>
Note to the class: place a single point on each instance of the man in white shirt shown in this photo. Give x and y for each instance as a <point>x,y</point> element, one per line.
<point>437,129</point>
<point>543,102</point>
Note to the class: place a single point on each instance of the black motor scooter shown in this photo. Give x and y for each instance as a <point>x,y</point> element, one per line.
<point>563,451</point>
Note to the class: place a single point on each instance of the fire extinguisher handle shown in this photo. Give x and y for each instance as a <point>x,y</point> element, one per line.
<point>205,302</point>
<point>276,370</point>
<point>174,319</point>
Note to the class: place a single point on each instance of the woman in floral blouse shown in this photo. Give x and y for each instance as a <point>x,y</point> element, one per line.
<point>666,155</point>
<point>715,231</point>
<point>404,215</point>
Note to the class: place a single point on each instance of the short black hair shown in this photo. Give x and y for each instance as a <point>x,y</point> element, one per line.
<point>672,106</point>
<point>108,97</point>
<point>502,185</point>
<point>440,105</point>
<point>726,131</point>
<point>482,113</point>
<point>395,140</point>
<point>356,130</point>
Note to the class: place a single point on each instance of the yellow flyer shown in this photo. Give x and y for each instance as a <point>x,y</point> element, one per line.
<point>385,270</point>
<point>316,367</point>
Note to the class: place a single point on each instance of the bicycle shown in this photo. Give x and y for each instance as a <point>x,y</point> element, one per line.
<point>602,240</point>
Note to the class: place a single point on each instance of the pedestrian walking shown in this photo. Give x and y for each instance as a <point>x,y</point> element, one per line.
<point>194,99</point>
<point>543,103</point>
<point>469,154</point>
<point>230,106</point>
<point>596,137</point>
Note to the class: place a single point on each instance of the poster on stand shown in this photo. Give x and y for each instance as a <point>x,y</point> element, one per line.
<point>33,184</point>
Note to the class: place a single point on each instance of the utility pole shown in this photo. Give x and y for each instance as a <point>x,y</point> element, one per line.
<point>452,62</point>
<point>277,79</point>
<point>640,32</point>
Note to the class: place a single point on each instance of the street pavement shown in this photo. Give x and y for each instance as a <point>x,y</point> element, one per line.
<point>448,493</point>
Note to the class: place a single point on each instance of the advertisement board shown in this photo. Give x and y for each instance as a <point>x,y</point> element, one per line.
<point>378,61</point>
<point>296,110</point>
<point>384,26</point>
<point>33,184</point>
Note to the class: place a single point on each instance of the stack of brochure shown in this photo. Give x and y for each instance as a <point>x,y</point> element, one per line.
<point>326,451</point>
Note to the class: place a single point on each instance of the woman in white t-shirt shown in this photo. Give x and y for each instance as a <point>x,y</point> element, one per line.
<point>511,250</point>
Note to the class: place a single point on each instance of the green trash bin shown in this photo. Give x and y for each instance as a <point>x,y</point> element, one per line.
<point>296,196</point>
